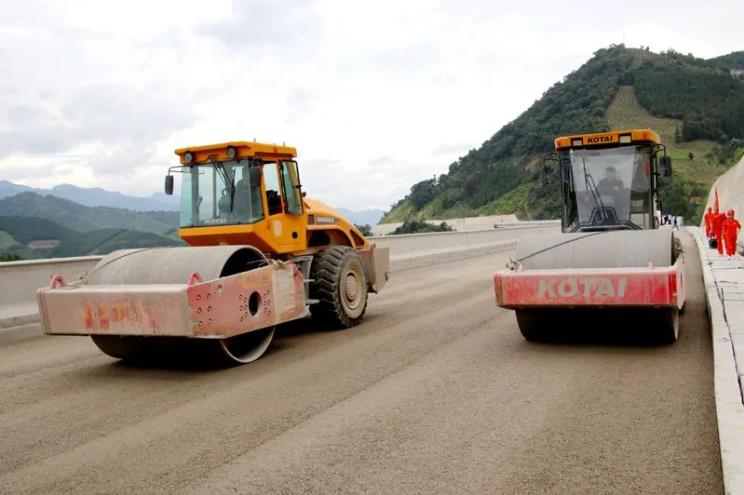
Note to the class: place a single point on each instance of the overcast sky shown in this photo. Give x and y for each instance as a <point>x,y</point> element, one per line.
<point>375,95</point>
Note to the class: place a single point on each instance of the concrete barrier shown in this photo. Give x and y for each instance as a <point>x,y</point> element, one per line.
<point>730,195</point>
<point>435,243</point>
<point>727,326</point>
<point>460,224</point>
<point>20,279</point>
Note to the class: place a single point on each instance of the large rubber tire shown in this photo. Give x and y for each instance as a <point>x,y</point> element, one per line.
<point>668,325</point>
<point>632,325</point>
<point>340,287</point>
<point>531,325</point>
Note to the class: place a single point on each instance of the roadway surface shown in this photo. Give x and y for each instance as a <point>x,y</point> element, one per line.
<point>436,392</point>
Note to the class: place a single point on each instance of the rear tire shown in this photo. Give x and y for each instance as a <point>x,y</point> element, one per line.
<point>668,325</point>
<point>530,325</point>
<point>340,287</point>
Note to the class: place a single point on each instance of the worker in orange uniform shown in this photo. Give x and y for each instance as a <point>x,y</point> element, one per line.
<point>718,219</point>
<point>730,230</point>
<point>709,223</point>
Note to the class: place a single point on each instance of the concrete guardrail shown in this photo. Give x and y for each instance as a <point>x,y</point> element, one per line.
<point>20,279</point>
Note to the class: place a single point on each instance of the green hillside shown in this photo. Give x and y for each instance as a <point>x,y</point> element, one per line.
<point>86,218</point>
<point>25,229</point>
<point>6,241</point>
<point>696,105</point>
<point>734,60</point>
<point>103,241</point>
<point>17,232</point>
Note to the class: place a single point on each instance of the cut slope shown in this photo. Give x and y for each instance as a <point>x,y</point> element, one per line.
<point>692,177</point>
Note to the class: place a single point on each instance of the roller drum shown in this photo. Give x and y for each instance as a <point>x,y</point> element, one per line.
<point>175,266</point>
<point>614,249</point>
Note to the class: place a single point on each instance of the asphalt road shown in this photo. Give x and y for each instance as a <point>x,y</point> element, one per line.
<point>436,392</point>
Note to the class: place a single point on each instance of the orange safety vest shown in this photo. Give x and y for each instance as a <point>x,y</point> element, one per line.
<point>718,220</point>
<point>709,223</point>
<point>730,228</point>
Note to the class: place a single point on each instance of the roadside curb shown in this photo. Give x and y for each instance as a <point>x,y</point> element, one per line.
<point>728,393</point>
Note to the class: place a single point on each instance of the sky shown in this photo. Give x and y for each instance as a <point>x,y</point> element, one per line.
<point>375,96</point>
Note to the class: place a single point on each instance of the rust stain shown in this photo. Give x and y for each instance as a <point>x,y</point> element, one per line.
<point>103,319</point>
<point>88,318</point>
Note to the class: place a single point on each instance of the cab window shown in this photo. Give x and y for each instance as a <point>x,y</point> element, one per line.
<point>273,188</point>
<point>291,182</point>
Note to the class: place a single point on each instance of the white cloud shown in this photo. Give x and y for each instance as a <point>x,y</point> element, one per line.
<point>375,95</point>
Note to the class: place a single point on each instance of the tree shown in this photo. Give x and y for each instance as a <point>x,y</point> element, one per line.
<point>365,229</point>
<point>9,257</point>
<point>413,226</point>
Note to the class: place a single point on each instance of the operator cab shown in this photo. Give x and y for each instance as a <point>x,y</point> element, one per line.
<point>609,181</point>
<point>252,187</point>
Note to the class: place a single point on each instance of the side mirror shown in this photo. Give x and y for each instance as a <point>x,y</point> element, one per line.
<point>665,165</point>
<point>169,184</point>
<point>547,170</point>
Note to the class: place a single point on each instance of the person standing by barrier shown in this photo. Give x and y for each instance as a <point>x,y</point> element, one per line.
<point>718,231</point>
<point>709,223</point>
<point>730,228</point>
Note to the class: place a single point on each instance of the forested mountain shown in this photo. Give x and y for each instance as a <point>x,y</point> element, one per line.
<point>86,218</point>
<point>732,61</point>
<point>95,196</point>
<point>696,105</point>
<point>29,237</point>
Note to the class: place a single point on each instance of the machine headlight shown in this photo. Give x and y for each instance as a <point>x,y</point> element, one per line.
<point>232,152</point>
<point>188,157</point>
<point>577,142</point>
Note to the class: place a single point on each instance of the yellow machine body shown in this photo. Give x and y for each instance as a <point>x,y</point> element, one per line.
<point>280,232</point>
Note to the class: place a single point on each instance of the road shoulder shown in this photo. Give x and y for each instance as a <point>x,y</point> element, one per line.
<point>724,291</point>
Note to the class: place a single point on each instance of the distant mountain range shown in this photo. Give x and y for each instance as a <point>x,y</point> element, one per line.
<point>362,217</point>
<point>83,218</point>
<point>95,196</point>
<point>29,237</point>
<point>33,225</point>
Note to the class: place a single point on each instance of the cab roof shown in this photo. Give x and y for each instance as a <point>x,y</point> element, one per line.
<point>609,138</point>
<point>244,149</point>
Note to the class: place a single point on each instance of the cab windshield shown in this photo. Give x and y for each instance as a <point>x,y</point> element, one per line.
<point>607,188</point>
<point>221,193</point>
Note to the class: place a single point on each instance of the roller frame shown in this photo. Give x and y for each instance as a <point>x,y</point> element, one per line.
<point>213,309</point>
<point>650,287</point>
